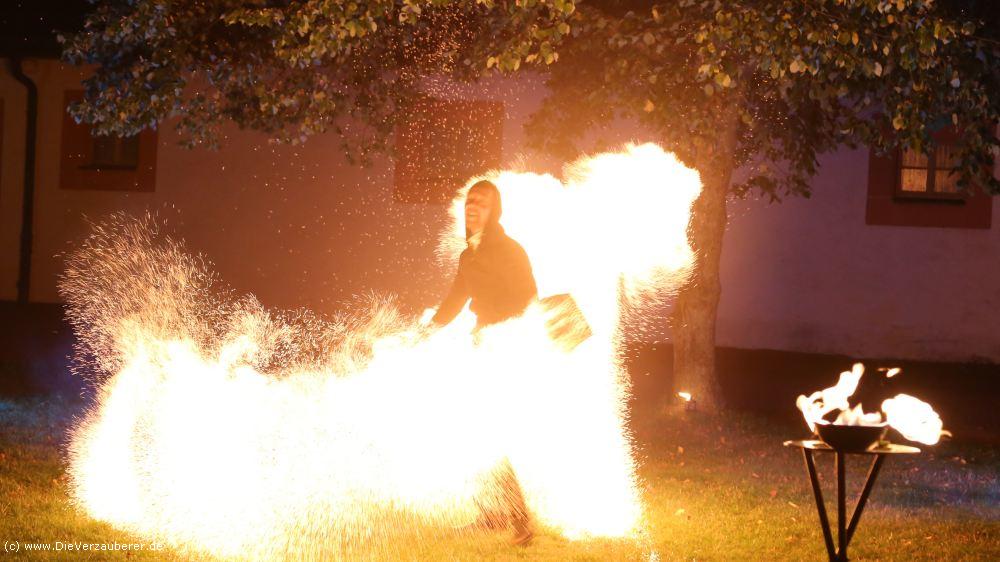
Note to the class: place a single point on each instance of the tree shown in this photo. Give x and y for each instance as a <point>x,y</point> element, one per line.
<point>761,86</point>
<point>293,69</point>
<point>764,87</point>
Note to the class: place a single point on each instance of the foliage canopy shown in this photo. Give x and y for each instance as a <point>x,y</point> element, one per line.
<point>794,78</point>
<point>293,69</point>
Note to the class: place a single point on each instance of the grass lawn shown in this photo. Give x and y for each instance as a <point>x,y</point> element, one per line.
<point>715,488</point>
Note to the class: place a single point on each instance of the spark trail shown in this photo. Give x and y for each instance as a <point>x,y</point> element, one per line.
<point>223,429</point>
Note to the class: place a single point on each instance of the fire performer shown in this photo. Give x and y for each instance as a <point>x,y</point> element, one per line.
<point>493,270</point>
<point>495,273</point>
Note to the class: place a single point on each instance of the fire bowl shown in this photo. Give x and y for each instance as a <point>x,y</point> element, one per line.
<point>851,438</point>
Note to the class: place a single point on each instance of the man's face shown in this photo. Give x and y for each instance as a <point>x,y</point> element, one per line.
<point>478,206</point>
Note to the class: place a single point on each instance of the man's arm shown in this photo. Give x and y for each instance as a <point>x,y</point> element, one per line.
<point>453,302</point>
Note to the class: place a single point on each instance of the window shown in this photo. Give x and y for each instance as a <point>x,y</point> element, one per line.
<point>440,144</point>
<point>909,188</point>
<point>115,153</point>
<point>105,162</point>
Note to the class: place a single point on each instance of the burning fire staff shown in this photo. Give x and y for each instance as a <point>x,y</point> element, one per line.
<point>495,273</point>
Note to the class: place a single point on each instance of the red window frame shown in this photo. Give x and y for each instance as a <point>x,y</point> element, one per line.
<point>889,205</point>
<point>77,171</point>
<point>440,144</point>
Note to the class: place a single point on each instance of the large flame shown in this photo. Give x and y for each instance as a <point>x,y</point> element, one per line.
<point>914,419</point>
<point>223,429</point>
<point>822,402</point>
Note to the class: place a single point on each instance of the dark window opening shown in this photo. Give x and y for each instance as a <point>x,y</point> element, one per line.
<point>115,153</point>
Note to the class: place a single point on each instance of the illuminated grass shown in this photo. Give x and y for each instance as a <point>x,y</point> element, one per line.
<point>715,490</point>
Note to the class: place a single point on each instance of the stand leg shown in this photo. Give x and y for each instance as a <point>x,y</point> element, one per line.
<point>841,509</point>
<point>869,484</point>
<point>824,523</point>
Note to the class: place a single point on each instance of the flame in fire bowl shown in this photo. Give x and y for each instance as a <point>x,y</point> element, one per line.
<point>851,438</point>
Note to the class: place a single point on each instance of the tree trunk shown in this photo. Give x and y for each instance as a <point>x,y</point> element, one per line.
<point>693,329</point>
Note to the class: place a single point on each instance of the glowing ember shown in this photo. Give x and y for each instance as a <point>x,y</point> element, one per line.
<point>914,419</point>
<point>223,429</point>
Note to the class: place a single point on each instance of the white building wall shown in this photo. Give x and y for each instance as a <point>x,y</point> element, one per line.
<point>810,275</point>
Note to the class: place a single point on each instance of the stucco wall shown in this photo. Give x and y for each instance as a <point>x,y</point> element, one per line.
<point>300,227</point>
<point>810,275</point>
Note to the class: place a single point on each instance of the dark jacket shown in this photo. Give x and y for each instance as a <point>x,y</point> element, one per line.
<point>497,277</point>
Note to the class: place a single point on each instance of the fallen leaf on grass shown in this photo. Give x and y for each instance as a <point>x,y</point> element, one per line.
<point>774,493</point>
<point>793,504</point>
<point>680,450</point>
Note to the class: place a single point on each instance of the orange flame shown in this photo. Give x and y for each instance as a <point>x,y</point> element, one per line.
<point>223,429</point>
<point>915,419</point>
